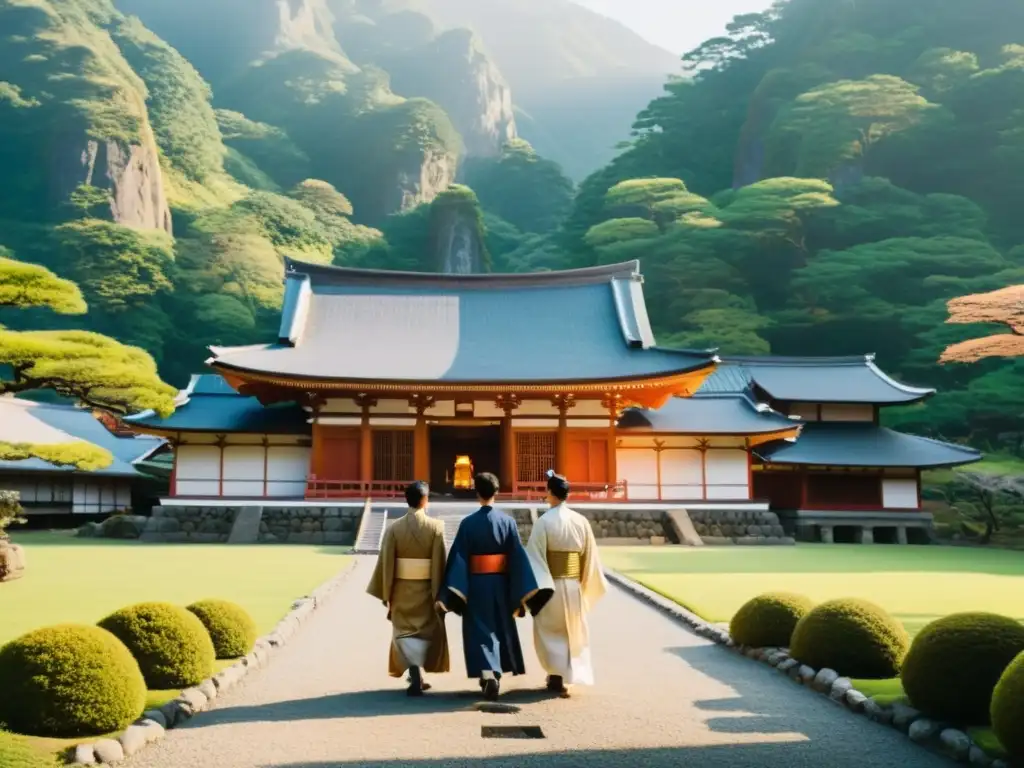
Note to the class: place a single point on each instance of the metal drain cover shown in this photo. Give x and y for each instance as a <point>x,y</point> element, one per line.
<point>511,732</point>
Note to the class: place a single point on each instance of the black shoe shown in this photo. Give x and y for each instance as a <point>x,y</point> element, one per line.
<point>416,684</point>
<point>555,683</point>
<point>491,689</point>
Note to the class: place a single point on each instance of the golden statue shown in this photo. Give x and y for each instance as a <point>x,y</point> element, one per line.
<point>463,474</point>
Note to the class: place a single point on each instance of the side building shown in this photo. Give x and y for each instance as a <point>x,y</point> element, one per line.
<point>55,491</point>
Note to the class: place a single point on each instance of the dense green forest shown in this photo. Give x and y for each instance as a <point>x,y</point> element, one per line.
<point>820,181</point>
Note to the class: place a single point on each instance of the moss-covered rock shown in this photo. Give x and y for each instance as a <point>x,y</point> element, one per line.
<point>768,620</point>
<point>1007,709</point>
<point>171,645</point>
<point>854,637</point>
<point>231,628</point>
<point>69,681</point>
<point>955,662</point>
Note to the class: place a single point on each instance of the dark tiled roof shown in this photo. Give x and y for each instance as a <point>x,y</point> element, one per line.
<point>30,422</point>
<point>864,445</point>
<point>724,414</point>
<point>369,325</point>
<point>209,404</point>
<point>813,379</point>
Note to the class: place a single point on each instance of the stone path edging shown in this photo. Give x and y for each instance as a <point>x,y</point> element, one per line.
<point>154,723</point>
<point>952,742</point>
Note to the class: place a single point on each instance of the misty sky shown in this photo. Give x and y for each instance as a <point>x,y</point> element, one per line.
<point>678,25</point>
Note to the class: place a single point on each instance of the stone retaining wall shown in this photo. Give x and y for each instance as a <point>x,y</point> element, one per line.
<point>628,524</point>
<point>212,525</point>
<point>728,526</point>
<point>310,525</point>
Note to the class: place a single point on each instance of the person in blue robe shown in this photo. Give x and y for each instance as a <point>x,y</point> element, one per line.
<point>489,582</point>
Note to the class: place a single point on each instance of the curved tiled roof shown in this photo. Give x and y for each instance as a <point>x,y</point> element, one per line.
<point>25,421</point>
<point>359,325</point>
<point>859,444</point>
<point>723,414</point>
<point>854,379</point>
<point>209,404</point>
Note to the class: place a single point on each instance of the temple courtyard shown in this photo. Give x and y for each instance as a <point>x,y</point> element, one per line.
<point>664,698</point>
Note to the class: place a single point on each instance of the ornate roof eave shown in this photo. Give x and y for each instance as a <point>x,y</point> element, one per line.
<point>647,392</point>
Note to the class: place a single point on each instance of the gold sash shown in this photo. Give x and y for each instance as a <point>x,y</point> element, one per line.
<point>413,569</point>
<point>564,565</point>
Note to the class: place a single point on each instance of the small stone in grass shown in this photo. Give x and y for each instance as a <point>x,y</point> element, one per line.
<point>108,751</point>
<point>208,689</point>
<point>922,730</point>
<point>956,743</point>
<point>157,716</point>
<point>855,700</point>
<point>85,755</point>
<point>822,681</point>
<point>877,712</point>
<point>977,756</point>
<point>788,664</point>
<point>903,715</point>
<point>807,674</point>
<point>134,738</point>
<point>840,688</point>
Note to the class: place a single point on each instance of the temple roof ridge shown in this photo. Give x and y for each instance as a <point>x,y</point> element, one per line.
<point>322,274</point>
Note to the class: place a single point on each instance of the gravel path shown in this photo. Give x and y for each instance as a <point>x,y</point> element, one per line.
<point>664,698</point>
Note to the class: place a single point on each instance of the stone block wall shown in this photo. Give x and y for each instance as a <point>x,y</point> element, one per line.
<point>727,526</point>
<point>197,525</point>
<point>310,525</point>
<point>627,523</point>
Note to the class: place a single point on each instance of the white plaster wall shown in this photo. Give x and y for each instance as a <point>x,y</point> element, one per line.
<point>287,470</point>
<point>197,470</point>
<point>639,468</point>
<point>681,474</point>
<point>727,474</point>
<point>847,412</point>
<point>243,470</point>
<point>398,407</point>
<point>899,493</point>
<point>93,496</point>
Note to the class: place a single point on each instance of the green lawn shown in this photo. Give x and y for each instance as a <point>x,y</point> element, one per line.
<point>915,583</point>
<point>72,580</point>
<point>84,580</point>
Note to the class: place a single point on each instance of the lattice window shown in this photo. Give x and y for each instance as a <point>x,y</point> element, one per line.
<point>393,454</point>
<point>535,455</point>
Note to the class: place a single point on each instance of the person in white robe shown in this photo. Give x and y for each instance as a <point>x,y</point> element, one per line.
<point>563,554</point>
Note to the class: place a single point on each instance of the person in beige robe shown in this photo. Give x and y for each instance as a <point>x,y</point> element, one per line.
<point>408,576</point>
<point>563,553</point>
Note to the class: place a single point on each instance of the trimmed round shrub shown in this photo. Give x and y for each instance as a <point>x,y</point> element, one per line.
<point>1007,709</point>
<point>231,628</point>
<point>69,681</point>
<point>172,646</point>
<point>854,637</point>
<point>768,620</point>
<point>955,662</point>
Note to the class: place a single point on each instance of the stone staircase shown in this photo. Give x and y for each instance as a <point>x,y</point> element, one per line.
<point>371,531</point>
<point>246,528</point>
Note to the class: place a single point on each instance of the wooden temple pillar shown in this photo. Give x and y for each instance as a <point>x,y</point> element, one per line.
<point>508,443</point>
<point>421,437</point>
<point>365,440</point>
<point>614,405</point>
<point>563,403</point>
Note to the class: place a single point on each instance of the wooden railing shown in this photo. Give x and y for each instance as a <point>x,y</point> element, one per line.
<point>320,488</point>
<point>580,491</point>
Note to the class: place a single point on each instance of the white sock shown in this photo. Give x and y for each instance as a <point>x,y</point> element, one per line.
<point>487,674</point>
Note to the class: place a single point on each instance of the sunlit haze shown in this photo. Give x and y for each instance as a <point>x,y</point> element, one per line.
<point>676,25</point>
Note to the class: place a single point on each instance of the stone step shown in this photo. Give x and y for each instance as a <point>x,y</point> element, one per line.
<point>246,529</point>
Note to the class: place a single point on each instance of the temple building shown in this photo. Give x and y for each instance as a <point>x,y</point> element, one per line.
<point>379,378</point>
<point>49,491</point>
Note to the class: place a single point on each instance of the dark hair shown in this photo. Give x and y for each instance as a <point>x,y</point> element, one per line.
<point>558,487</point>
<point>415,493</point>
<point>486,485</point>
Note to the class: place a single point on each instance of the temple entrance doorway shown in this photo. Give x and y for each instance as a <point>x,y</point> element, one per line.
<point>459,452</point>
